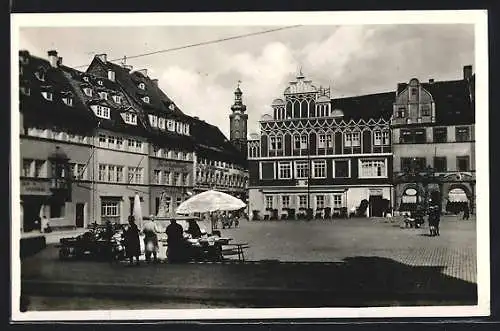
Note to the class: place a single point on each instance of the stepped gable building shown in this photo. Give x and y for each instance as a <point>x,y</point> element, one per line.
<point>238,123</point>
<point>321,155</point>
<point>434,143</point>
<point>171,148</point>
<point>56,132</point>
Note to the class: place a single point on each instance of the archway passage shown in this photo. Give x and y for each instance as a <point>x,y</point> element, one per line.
<point>458,200</point>
<point>410,198</point>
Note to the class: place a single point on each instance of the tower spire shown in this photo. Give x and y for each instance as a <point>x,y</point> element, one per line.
<point>300,75</point>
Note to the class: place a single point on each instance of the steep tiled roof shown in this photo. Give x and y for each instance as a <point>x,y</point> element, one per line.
<point>39,112</point>
<point>365,107</point>
<point>116,122</point>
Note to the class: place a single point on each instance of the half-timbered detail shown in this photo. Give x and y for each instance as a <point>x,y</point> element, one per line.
<point>321,156</point>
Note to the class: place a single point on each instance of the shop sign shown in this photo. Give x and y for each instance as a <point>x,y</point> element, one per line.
<point>32,187</point>
<point>376,191</point>
<point>409,199</point>
<point>411,191</point>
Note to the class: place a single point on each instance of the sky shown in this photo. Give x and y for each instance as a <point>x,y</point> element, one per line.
<point>350,59</point>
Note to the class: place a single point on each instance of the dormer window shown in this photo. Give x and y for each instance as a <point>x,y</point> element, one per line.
<point>130,118</point>
<point>153,120</point>
<point>101,111</point>
<point>161,123</point>
<point>86,79</point>
<point>145,99</point>
<point>47,95</point>
<point>87,91</point>
<point>178,127</point>
<point>186,129</point>
<point>170,125</point>
<point>99,82</point>
<point>171,107</point>
<point>103,95</point>
<point>117,99</point>
<point>142,86</point>
<point>68,101</point>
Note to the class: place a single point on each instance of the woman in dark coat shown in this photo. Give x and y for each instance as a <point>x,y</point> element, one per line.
<point>132,243</point>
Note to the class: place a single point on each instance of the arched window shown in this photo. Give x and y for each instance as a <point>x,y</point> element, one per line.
<point>304,109</point>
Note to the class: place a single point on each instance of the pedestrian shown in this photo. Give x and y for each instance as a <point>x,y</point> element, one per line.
<point>175,241</point>
<point>108,236</point>
<point>434,220</point>
<point>151,239</point>
<point>132,243</point>
<point>466,212</point>
<point>194,229</point>
<point>214,220</point>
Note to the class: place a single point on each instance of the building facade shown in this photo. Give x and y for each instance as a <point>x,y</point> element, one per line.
<point>434,143</point>
<point>320,156</point>
<point>238,123</point>
<point>92,140</point>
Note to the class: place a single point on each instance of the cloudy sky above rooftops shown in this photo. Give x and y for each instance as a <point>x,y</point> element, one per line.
<point>352,60</point>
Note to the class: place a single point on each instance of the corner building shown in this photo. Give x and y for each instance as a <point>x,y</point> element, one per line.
<point>321,155</point>
<point>434,143</point>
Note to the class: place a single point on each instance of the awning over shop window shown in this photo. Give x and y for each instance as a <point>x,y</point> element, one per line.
<point>457,195</point>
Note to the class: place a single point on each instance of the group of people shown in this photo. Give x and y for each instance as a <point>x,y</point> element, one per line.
<point>175,239</point>
<point>226,219</point>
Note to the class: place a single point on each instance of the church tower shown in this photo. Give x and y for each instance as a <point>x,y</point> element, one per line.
<point>238,123</point>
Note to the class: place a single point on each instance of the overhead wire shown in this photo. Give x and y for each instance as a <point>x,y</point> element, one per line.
<point>203,43</point>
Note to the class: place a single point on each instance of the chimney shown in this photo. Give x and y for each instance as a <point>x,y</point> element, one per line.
<point>53,59</point>
<point>59,61</point>
<point>111,75</point>
<point>196,117</point>
<point>467,72</point>
<point>103,57</point>
<point>431,80</point>
<point>155,81</point>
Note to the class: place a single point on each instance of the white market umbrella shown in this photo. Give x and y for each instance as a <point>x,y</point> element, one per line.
<point>210,201</point>
<point>137,212</point>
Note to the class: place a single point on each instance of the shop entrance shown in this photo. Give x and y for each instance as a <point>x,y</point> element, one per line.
<point>80,215</point>
<point>31,213</point>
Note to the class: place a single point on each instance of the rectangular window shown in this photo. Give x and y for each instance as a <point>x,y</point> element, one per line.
<point>341,168</point>
<point>27,167</point>
<point>377,138</point>
<point>131,118</point>
<point>166,178</point>
<point>117,99</point>
<point>111,173</point>
<point>462,133</point>
<point>426,110</point>
<point>110,208</point>
<point>412,136</point>
<point>161,123</point>
<point>170,125</point>
<point>267,170</point>
<point>401,112</point>
<point>135,175</point>
<point>372,168</point>
<point>269,201</point>
<point>39,168</point>
<point>321,141</point>
<point>103,141</point>
<point>176,178</point>
<point>463,163</point>
<point>440,135</point>
<point>111,141</point>
<point>153,120</point>
<point>157,176</point>
<point>440,164</point>
<point>329,141</point>
<point>102,111</point>
<point>302,201</point>
<point>285,201</point>
<point>102,172</point>
<point>303,142</point>
<point>301,169</point>
<point>319,169</point>
<point>320,201</point>
<point>413,164</point>
<point>138,146</point>
<point>337,200</point>
<point>284,170</point>
<point>119,174</point>
<point>103,95</point>
<point>385,138</point>
<point>178,201</point>
<point>296,142</point>
<point>352,139</point>
<point>178,127</point>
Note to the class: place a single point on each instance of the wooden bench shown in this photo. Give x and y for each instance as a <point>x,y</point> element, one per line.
<point>236,249</point>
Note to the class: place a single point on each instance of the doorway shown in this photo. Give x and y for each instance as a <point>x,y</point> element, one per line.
<point>31,211</point>
<point>80,215</point>
<point>377,206</point>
